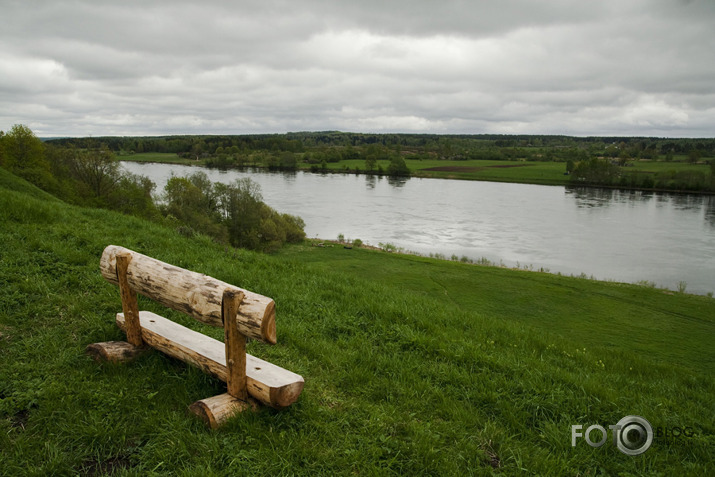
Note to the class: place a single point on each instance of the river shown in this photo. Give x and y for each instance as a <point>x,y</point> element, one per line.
<point>629,236</point>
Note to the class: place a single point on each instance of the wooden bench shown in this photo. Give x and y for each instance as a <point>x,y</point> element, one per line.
<point>240,312</point>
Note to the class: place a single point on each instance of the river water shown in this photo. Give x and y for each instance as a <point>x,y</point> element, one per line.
<point>667,239</point>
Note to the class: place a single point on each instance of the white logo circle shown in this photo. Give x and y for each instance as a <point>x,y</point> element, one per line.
<point>634,435</point>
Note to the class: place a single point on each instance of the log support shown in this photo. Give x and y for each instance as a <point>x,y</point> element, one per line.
<point>115,351</point>
<point>216,410</point>
<point>130,305</point>
<point>235,346</point>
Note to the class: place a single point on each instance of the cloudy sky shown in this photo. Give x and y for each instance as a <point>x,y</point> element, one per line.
<point>578,67</point>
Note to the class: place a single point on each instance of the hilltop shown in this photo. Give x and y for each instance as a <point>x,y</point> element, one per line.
<point>413,366</point>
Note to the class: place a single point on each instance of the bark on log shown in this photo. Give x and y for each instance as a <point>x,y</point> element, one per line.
<point>270,384</point>
<point>193,293</point>
<point>217,410</point>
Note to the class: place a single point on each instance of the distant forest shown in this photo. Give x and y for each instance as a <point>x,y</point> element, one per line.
<point>333,146</point>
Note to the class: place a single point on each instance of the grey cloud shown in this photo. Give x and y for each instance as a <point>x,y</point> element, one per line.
<point>164,67</point>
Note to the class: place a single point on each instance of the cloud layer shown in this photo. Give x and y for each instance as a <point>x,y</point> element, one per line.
<point>642,67</point>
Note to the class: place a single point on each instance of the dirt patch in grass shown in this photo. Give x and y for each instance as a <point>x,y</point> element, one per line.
<point>20,418</point>
<point>92,467</point>
<point>454,169</point>
<point>471,168</point>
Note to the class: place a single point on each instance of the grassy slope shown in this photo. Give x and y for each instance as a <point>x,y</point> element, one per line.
<point>657,324</point>
<point>404,375</point>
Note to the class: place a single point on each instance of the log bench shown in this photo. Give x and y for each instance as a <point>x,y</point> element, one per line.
<point>240,312</point>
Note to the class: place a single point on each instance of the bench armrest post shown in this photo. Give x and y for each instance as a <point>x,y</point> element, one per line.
<point>235,346</point>
<point>130,306</point>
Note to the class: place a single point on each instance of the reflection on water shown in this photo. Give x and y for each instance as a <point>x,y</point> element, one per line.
<point>608,233</point>
<point>370,181</point>
<point>709,205</point>
<point>592,197</point>
<point>397,181</point>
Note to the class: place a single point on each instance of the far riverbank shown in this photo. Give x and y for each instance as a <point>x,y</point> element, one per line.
<point>518,172</point>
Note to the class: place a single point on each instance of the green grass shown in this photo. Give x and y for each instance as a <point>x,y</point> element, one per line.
<point>413,366</point>
<point>549,173</point>
<point>604,315</point>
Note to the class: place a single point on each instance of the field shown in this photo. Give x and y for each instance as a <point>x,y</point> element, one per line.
<point>413,366</point>
<point>531,172</point>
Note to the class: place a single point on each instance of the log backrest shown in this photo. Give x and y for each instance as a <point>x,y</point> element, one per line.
<point>193,293</point>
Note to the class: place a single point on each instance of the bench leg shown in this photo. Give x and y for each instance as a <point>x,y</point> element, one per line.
<point>235,344</point>
<point>130,306</point>
<point>216,410</point>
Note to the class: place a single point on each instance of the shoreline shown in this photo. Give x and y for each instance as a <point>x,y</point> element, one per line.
<point>484,262</point>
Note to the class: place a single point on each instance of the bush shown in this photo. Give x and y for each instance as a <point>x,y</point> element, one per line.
<point>596,171</point>
<point>398,167</point>
<point>230,213</point>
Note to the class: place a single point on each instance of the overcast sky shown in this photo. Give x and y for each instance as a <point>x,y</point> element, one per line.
<point>577,67</point>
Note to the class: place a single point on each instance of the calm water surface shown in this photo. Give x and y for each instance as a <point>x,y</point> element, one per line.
<point>607,234</point>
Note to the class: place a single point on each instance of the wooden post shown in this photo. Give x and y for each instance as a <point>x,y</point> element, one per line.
<point>130,306</point>
<point>235,346</point>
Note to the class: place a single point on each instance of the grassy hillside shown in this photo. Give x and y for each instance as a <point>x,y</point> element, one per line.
<point>412,366</point>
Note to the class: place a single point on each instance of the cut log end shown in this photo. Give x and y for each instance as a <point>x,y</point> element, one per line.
<point>114,351</point>
<point>217,410</point>
<point>286,395</point>
<point>268,325</point>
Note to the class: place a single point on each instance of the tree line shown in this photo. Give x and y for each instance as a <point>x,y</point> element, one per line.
<point>88,174</point>
<point>605,172</point>
<point>336,146</point>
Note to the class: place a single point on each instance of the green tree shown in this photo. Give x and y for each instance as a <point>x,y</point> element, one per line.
<point>133,196</point>
<point>97,169</point>
<point>398,167</point>
<point>693,156</point>
<point>24,154</point>
<point>2,149</point>
<point>370,162</point>
<point>289,161</point>
<point>240,206</point>
<point>570,166</point>
<point>596,171</point>
<point>188,204</point>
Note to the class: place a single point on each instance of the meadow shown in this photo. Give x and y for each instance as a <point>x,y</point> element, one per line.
<point>413,366</point>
